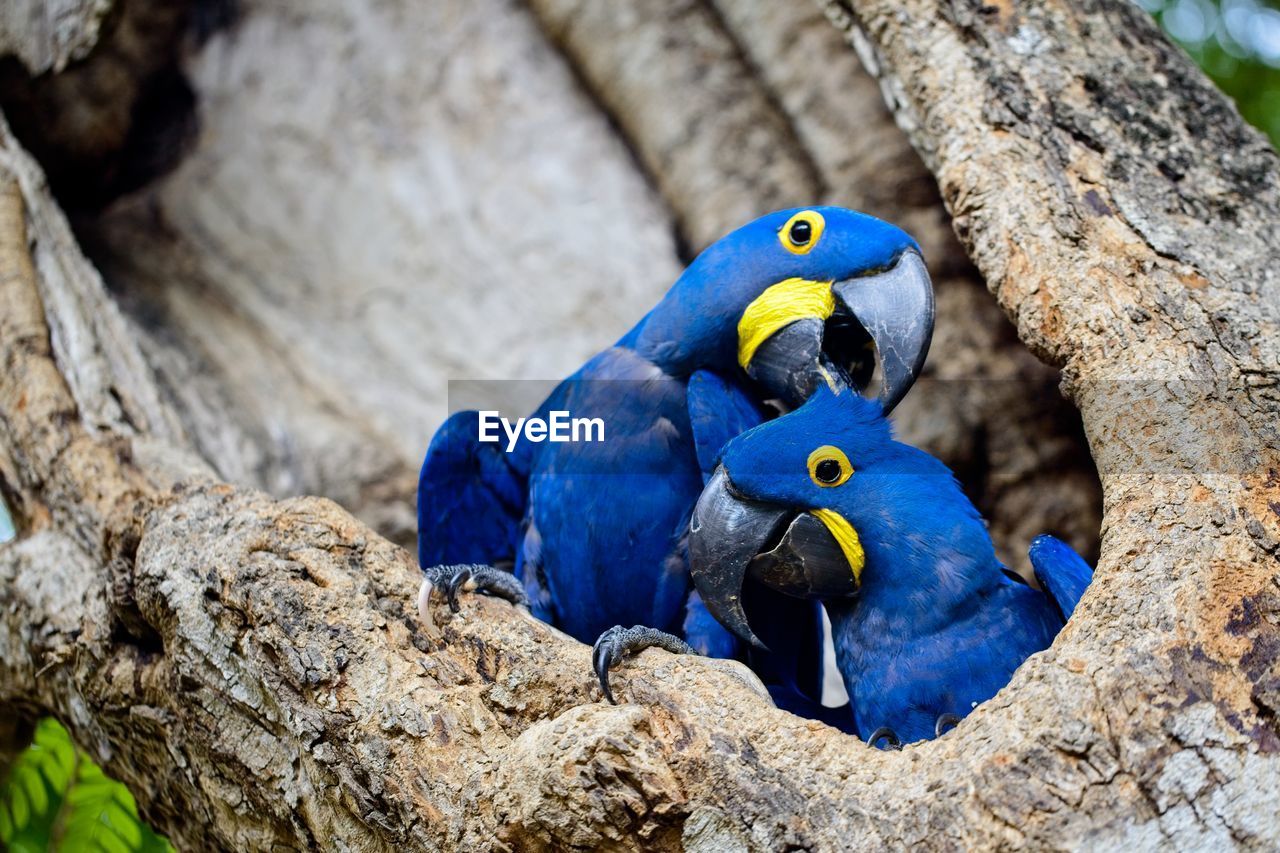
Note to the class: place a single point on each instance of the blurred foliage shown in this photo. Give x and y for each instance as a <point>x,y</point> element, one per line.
<point>1237,42</point>
<point>56,799</point>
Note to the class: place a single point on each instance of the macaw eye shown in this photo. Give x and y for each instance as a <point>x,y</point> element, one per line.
<point>828,466</point>
<point>802,232</point>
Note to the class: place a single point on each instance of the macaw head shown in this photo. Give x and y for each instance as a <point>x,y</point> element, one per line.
<point>823,503</point>
<point>800,298</point>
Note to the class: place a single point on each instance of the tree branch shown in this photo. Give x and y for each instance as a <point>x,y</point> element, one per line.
<point>47,34</point>
<point>985,405</point>
<point>252,668</point>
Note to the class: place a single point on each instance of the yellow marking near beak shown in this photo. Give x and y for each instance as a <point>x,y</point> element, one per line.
<point>847,538</point>
<point>781,305</point>
<point>829,379</point>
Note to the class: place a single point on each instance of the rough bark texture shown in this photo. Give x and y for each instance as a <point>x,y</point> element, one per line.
<point>251,667</point>
<point>696,80</point>
<point>119,115</point>
<point>47,34</point>
<point>306,353</point>
<point>382,198</point>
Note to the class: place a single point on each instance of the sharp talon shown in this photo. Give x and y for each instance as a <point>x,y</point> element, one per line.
<point>452,579</point>
<point>424,606</point>
<point>455,583</point>
<point>602,654</point>
<point>945,722</point>
<point>618,643</point>
<point>887,735</point>
<point>603,672</point>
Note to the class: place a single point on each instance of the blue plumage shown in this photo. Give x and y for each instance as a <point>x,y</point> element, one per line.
<point>1061,572</point>
<point>473,493</point>
<point>936,624</point>
<point>597,531</point>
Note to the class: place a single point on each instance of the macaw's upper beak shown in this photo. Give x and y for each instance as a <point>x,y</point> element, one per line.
<point>889,314</point>
<point>732,538</point>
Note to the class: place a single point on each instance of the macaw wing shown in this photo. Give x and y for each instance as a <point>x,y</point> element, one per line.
<point>1061,571</point>
<point>719,411</point>
<point>606,516</point>
<point>471,499</point>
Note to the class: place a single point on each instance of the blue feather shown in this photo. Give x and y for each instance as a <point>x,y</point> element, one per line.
<point>597,530</point>
<point>719,410</point>
<point>471,497</point>
<point>937,625</point>
<point>1061,571</point>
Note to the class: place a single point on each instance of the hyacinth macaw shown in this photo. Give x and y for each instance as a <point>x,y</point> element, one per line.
<point>596,531</point>
<point>822,503</point>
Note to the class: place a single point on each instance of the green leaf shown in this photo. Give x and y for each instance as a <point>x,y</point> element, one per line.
<point>124,823</point>
<point>18,805</point>
<point>112,843</point>
<point>57,754</point>
<point>37,792</point>
<point>66,803</point>
<point>23,845</point>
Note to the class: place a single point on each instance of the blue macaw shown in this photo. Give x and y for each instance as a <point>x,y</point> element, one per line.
<point>596,531</point>
<point>822,503</point>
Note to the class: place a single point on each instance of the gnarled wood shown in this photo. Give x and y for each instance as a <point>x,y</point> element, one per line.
<point>1129,222</point>
<point>228,284</point>
<point>47,34</point>
<point>803,130</point>
<point>252,668</point>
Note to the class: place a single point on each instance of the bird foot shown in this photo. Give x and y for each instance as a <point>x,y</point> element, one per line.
<point>466,578</point>
<point>945,723</point>
<point>618,643</point>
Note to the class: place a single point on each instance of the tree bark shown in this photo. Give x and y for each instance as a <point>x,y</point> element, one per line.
<point>688,81</point>
<point>306,354</point>
<point>310,352</point>
<point>252,668</point>
<point>47,34</point>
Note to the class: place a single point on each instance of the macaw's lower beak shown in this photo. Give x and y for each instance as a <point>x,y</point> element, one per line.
<point>888,314</point>
<point>732,538</point>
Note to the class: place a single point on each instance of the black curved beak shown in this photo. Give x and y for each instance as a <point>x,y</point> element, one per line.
<point>732,538</point>
<point>889,314</point>
<point>896,309</point>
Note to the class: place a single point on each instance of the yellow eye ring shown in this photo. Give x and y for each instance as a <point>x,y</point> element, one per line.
<point>828,467</point>
<point>802,232</point>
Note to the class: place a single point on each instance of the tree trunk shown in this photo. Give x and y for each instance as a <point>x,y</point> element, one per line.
<point>252,668</point>
<point>307,354</point>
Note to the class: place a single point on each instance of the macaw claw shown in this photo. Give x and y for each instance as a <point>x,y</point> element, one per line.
<point>467,578</point>
<point>618,643</point>
<point>945,723</point>
<point>455,583</point>
<point>886,734</point>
